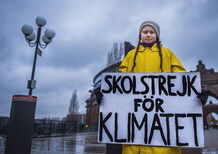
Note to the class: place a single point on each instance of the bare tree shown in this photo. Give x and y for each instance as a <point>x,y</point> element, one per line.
<point>74,106</point>
<point>116,53</point>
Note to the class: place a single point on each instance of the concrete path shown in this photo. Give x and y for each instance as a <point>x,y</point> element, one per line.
<point>86,143</point>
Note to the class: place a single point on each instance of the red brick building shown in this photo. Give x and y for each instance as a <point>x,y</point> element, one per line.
<point>209,78</point>
<point>209,81</point>
<point>92,110</point>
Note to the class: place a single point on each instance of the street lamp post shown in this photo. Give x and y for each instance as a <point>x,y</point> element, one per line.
<point>30,36</point>
<point>22,114</point>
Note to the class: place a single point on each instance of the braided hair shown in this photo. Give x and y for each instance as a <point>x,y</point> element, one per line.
<point>136,53</point>
<point>159,52</point>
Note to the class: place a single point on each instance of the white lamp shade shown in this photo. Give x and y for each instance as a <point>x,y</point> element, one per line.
<point>45,39</point>
<point>49,33</point>
<point>27,30</point>
<point>31,37</point>
<point>40,21</point>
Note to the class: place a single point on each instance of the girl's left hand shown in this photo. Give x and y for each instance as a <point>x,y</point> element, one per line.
<point>203,96</point>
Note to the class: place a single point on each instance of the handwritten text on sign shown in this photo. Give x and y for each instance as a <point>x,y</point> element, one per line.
<point>159,109</point>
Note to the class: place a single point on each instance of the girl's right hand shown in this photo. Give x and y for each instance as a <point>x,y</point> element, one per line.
<point>99,96</point>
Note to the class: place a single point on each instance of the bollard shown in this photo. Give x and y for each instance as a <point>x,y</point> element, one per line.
<point>20,129</point>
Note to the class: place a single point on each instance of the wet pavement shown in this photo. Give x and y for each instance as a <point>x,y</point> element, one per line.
<point>80,143</point>
<point>211,142</point>
<point>86,143</point>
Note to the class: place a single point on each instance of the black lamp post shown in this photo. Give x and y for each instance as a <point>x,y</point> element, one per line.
<point>22,115</point>
<point>30,36</point>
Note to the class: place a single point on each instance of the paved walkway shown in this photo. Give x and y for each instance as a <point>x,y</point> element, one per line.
<point>80,143</point>
<point>86,143</point>
<point>211,142</point>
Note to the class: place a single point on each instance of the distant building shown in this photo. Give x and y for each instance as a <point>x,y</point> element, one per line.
<point>92,110</point>
<point>209,78</point>
<point>209,81</point>
<point>3,125</point>
<point>48,120</point>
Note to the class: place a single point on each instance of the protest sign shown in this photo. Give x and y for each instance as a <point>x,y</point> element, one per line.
<point>160,109</point>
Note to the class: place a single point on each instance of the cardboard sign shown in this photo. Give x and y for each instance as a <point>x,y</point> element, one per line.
<point>160,109</point>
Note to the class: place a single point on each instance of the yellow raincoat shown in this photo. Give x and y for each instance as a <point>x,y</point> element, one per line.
<point>148,60</point>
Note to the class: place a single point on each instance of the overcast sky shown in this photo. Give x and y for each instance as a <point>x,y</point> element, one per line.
<point>85,32</point>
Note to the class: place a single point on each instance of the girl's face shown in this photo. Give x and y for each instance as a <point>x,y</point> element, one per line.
<point>148,34</point>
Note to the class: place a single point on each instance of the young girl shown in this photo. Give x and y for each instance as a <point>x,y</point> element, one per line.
<point>150,56</point>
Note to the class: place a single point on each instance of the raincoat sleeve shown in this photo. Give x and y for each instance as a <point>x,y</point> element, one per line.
<point>124,65</point>
<point>176,66</point>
